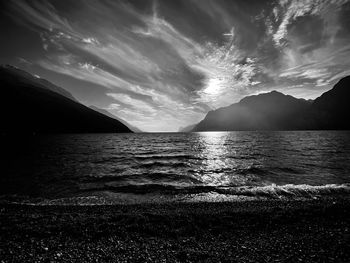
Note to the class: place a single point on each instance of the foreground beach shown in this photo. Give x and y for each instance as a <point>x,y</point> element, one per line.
<point>252,231</point>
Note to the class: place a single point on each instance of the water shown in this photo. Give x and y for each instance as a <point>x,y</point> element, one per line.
<point>124,167</point>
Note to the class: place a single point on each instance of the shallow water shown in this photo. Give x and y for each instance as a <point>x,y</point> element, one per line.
<point>299,163</point>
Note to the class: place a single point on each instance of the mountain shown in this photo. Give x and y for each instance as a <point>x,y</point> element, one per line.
<point>33,105</point>
<point>276,111</point>
<point>269,111</point>
<point>36,80</point>
<point>331,111</point>
<point>188,128</point>
<point>107,113</point>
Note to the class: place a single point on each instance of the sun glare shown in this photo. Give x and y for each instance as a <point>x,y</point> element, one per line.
<point>213,86</point>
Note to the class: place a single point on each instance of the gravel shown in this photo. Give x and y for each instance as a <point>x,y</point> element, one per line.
<point>251,231</point>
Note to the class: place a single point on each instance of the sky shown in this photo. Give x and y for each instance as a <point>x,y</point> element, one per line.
<point>163,64</point>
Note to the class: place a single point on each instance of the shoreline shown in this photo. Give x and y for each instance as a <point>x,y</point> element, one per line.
<point>157,193</point>
<point>250,231</point>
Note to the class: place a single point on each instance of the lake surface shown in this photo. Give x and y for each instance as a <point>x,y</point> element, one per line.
<point>153,166</point>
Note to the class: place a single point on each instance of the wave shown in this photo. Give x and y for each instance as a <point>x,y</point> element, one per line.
<point>157,164</point>
<point>109,159</point>
<point>252,170</point>
<point>289,190</point>
<point>145,157</point>
<point>269,191</point>
<point>164,157</point>
<point>146,178</point>
<point>158,193</point>
<point>268,170</point>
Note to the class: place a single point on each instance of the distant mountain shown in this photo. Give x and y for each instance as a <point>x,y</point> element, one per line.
<point>33,105</point>
<point>107,113</point>
<point>188,128</point>
<point>269,111</point>
<point>276,111</point>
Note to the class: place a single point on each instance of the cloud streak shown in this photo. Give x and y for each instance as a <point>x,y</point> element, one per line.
<point>162,72</point>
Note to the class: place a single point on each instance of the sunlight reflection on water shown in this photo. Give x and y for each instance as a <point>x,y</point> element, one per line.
<point>63,164</point>
<point>214,158</point>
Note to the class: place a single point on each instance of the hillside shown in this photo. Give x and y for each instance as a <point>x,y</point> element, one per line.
<point>276,111</point>
<point>33,105</point>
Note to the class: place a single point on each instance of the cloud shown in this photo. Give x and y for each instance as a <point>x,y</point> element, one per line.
<point>165,65</point>
<point>289,11</point>
<point>140,106</point>
<point>24,61</point>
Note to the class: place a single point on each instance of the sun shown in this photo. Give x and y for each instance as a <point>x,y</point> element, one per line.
<point>213,86</point>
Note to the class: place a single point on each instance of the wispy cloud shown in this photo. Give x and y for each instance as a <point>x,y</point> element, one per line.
<point>160,73</point>
<point>290,10</point>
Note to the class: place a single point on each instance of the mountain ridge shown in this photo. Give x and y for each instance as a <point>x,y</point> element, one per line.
<point>42,107</point>
<point>277,111</point>
<point>107,113</point>
<point>43,83</point>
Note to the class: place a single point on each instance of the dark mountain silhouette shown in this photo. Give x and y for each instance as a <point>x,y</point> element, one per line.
<point>107,113</point>
<point>36,81</point>
<point>331,111</point>
<point>276,111</point>
<point>269,111</point>
<point>33,105</point>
